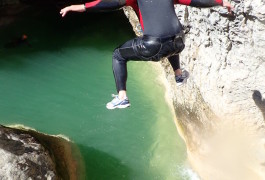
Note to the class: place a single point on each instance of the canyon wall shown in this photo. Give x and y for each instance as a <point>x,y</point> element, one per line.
<point>221,109</point>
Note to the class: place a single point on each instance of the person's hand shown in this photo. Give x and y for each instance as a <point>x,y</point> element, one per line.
<point>229,7</point>
<point>65,10</point>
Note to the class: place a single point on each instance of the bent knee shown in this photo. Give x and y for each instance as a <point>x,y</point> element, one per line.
<point>179,44</point>
<point>116,55</point>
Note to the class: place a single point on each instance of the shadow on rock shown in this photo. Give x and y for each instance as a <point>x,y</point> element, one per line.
<point>259,101</point>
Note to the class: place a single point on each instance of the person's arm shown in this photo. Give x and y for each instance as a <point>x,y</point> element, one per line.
<point>97,5</point>
<point>75,8</point>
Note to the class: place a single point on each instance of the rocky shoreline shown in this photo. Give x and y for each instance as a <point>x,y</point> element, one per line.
<point>26,153</point>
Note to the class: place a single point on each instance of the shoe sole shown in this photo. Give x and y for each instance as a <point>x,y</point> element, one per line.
<point>183,82</point>
<point>119,106</point>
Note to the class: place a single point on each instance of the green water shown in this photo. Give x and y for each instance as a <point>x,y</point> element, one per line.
<point>60,85</point>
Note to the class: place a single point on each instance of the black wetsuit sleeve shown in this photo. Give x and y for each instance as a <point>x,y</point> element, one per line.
<point>104,5</point>
<point>200,3</point>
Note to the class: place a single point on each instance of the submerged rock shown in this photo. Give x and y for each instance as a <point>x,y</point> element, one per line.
<point>27,154</point>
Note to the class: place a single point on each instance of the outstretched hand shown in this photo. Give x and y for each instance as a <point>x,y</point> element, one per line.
<point>65,10</point>
<point>74,8</point>
<point>229,7</point>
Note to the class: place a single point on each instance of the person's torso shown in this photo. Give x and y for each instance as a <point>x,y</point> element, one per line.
<point>159,18</point>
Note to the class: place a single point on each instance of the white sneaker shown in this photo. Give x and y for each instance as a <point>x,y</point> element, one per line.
<point>117,103</point>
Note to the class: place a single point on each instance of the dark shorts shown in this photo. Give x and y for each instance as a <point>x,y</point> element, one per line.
<point>146,48</point>
<point>152,48</point>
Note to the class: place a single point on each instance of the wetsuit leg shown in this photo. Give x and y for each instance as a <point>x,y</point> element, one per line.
<point>144,48</point>
<point>119,63</point>
<point>174,61</point>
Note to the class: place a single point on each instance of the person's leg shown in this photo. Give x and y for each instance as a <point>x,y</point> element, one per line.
<point>144,48</point>
<point>119,66</point>
<point>175,64</point>
<point>180,76</point>
<point>138,49</point>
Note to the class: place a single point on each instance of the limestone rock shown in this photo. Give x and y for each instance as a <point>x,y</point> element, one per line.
<point>28,154</point>
<point>23,157</point>
<point>226,57</point>
<point>224,97</point>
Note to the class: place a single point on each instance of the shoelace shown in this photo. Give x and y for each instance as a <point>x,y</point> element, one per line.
<point>115,99</point>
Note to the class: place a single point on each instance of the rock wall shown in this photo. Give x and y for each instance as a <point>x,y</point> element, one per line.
<point>221,109</point>
<point>226,57</point>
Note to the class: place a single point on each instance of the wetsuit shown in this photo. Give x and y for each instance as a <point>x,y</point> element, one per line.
<point>162,32</point>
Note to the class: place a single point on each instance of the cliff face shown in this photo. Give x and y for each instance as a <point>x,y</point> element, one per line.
<point>226,56</point>
<point>222,107</point>
<point>221,110</point>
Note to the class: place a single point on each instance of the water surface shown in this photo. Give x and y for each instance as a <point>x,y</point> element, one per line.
<point>61,83</point>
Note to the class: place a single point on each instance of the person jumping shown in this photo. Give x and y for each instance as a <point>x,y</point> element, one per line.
<point>163,36</point>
